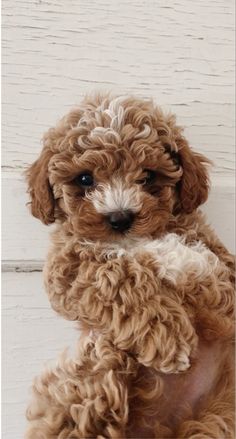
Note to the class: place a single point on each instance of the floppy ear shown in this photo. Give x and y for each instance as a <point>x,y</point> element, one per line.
<point>42,200</point>
<point>194,184</point>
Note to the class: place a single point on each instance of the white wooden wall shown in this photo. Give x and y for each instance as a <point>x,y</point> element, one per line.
<point>180,52</point>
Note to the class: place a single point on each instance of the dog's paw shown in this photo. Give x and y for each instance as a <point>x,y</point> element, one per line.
<point>171,356</point>
<point>179,363</point>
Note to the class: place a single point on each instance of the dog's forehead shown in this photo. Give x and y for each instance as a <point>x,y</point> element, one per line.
<point>119,133</point>
<point>117,112</point>
<point>119,159</point>
<point>120,120</point>
<point>122,134</point>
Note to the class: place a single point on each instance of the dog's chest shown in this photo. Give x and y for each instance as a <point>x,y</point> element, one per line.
<point>175,258</point>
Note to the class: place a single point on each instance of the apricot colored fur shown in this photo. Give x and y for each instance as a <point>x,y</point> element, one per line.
<point>154,305</point>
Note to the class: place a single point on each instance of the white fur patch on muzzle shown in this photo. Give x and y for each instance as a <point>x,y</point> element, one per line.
<point>114,196</point>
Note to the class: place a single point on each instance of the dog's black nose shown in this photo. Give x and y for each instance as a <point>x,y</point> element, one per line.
<point>121,220</point>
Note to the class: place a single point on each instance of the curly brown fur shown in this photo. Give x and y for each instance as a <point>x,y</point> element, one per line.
<point>154,302</point>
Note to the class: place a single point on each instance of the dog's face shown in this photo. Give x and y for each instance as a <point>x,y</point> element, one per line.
<point>116,167</point>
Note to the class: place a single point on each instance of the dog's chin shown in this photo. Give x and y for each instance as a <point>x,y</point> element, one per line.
<point>95,236</point>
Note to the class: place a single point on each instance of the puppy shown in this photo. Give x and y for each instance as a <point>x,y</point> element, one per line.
<point>134,262</point>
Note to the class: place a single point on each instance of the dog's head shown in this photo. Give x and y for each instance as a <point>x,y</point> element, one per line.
<point>116,167</point>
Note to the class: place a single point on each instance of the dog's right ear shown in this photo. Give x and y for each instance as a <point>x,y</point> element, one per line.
<point>42,199</point>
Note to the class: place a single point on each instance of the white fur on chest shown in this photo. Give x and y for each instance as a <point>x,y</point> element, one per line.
<point>176,259</point>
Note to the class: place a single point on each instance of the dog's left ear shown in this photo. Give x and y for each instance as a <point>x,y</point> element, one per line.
<point>194,184</point>
<point>42,199</point>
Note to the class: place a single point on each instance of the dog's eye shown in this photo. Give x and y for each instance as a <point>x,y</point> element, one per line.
<point>150,177</point>
<point>84,180</point>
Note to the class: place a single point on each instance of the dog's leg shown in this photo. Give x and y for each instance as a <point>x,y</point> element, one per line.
<point>213,302</point>
<point>163,336</point>
<point>86,398</point>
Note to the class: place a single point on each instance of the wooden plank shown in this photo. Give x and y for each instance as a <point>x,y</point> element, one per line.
<point>25,239</point>
<point>180,53</point>
<point>220,213</point>
<point>32,335</point>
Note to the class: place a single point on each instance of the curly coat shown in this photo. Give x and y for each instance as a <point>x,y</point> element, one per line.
<point>154,303</point>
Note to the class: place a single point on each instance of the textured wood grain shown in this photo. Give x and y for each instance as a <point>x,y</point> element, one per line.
<point>32,335</point>
<point>180,52</point>
<point>23,237</point>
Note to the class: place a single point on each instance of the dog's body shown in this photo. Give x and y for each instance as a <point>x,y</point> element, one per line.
<point>135,264</point>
